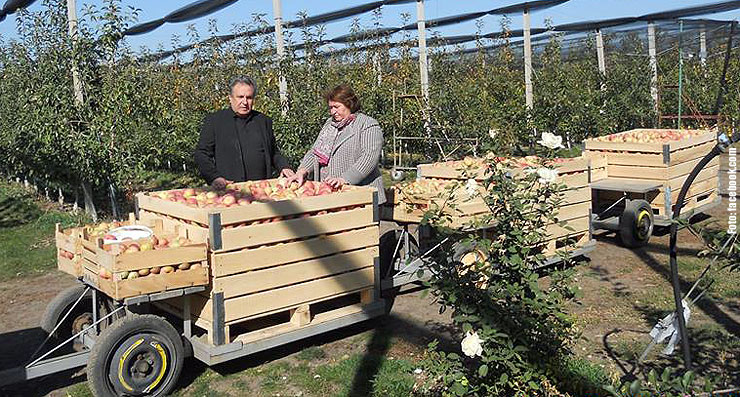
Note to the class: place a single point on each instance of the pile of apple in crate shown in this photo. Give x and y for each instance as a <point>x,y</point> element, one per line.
<point>408,202</point>
<point>157,260</point>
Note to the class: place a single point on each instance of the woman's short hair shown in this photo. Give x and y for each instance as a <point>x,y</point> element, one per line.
<point>344,94</point>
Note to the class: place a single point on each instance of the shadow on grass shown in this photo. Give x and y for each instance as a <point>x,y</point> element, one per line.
<point>714,355</point>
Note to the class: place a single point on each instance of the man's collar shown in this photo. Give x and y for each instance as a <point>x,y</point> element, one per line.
<point>247,117</point>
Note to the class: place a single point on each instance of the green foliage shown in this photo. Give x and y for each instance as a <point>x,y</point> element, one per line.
<point>140,116</point>
<point>666,384</point>
<point>17,205</point>
<point>498,296</point>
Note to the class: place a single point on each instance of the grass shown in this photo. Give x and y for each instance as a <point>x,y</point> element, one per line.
<point>28,248</point>
<point>309,373</point>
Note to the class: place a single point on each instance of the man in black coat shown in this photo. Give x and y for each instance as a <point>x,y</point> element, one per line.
<point>238,144</point>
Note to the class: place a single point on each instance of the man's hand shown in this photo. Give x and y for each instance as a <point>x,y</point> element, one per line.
<point>336,183</point>
<point>299,176</point>
<point>287,172</point>
<point>220,183</point>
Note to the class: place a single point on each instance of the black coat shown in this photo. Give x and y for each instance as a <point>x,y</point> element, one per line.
<point>217,153</point>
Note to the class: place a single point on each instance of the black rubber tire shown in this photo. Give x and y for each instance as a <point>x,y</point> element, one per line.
<point>636,224</point>
<point>59,306</point>
<point>146,343</point>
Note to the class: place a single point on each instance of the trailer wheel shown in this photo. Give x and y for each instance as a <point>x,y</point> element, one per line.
<point>78,319</point>
<point>636,224</point>
<point>137,355</point>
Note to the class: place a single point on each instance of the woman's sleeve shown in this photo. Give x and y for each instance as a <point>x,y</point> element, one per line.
<point>371,144</point>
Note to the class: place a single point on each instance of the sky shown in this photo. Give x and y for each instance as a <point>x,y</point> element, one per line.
<point>243,10</point>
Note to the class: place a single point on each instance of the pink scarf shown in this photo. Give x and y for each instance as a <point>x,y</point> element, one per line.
<point>324,146</point>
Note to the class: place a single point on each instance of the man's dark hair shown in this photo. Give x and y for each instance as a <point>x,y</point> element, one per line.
<point>242,80</point>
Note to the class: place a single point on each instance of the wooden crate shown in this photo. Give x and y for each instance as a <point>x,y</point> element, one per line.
<point>226,229</point>
<point>667,164</point>
<point>68,240</point>
<point>253,283</point>
<point>97,259</point>
<point>277,258</point>
<point>409,208</point>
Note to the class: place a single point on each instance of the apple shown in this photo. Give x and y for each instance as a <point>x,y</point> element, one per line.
<point>167,269</point>
<point>195,265</point>
<point>146,246</point>
<point>228,199</point>
<point>123,275</point>
<point>211,195</point>
<point>184,266</point>
<point>154,270</point>
<point>104,273</point>
<point>133,248</point>
<point>189,192</point>
<point>132,275</point>
<point>109,237</point>
<point>144,272</point>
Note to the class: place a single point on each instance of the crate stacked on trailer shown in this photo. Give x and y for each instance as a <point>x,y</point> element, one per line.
<point>661,156</point>
<point>405,205</point>
<point>281,256</point>
<point>131,267</point>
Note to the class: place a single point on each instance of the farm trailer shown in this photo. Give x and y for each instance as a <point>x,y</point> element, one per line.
<point>268,274</point>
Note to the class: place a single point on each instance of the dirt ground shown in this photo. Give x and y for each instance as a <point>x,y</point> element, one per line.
<point>624,293</point>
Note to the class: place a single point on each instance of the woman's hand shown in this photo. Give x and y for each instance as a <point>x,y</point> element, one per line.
<point>287,172</point>
<point>298,176</point>
<point>336,183</point>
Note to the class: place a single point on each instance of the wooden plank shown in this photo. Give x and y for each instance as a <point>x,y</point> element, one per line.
<point>573,211</point>
<point>691,203</point>
<point>598,174</point>
<point>256,211</point>
<point>294,273</point>
<point>624,146</point>
<point>69,266</point>
<point>225,263</point>
<point>696,188</point>
<point>578,225</point>
<point>693,141</point>
<point>250,236</point>
<point>654,159</point>
<point>706,173</point>
<point>152,258</point>
<point>172,208</point>
<point>640,172</point>
<point>121,289</point>
<point>255,336</point>
<point>300,316</point>
<point>284,298</point>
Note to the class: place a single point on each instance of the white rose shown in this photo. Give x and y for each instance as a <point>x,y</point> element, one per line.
<point>547,175</point>
<point>492,132</point>
<point>471,344</point>
<point>471,188</point>
<point>551,141</point>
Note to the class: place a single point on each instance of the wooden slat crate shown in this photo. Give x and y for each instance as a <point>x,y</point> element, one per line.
<point>279,258</point>
<point>666,163</point>
<point>69,250</point>
<point>252,283</point>
<point>574,173</point>
<point>268,222</point>
<point>178,267</point>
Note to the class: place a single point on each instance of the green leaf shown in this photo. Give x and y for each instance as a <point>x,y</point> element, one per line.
<point>483,371</point>
<point>504,378</point>
<point>533,385</point>
<point>635,387</point>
